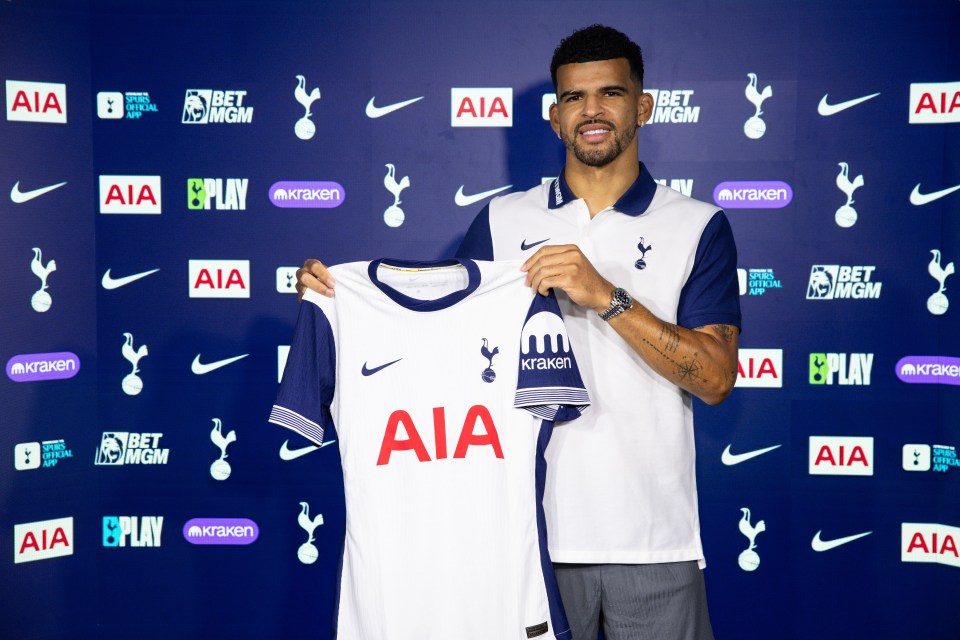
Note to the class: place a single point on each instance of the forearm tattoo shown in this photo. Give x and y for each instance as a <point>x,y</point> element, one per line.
<point>688,369</point>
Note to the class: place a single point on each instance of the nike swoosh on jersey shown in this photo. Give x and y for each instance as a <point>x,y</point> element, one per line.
<point>369,372</point>
<point>524,246</point>
<point>199,368</point>
<point>731,459</point>
<point>378,112</point>
<point>826,109</point>
<point>115,283</point>
<point>465,201</point>
<point>919,199</point>
<point>19,197</point>
<point>286,453</point>
<point>825,545</point>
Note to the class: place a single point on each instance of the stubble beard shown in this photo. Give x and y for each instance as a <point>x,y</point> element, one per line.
<point>598,157</point>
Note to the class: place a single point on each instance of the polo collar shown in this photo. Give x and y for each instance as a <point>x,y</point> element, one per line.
<point>414,304</point>
<point>633,202</point>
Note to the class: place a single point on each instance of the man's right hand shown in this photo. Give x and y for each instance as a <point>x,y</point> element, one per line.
<point>314,275</point>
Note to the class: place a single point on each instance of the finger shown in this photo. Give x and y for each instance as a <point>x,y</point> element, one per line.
<point>306,280</point>
<point>320,272</point>
<point>549,250</point>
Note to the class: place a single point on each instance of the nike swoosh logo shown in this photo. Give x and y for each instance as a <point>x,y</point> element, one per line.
<point>199,368</point>
<point>918,199</point>
<point>286,453</point>
<point>378,112</point>
<point>369,372</point>
<point>825,545</point>
<point>731,459</point>
<point>465,201</point>
<point>19,197</point>
<point>826,109</point>
<point>524,246</point>
<point>115,283</point>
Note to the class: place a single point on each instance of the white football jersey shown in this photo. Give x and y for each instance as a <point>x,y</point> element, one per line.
<point>444,381</point>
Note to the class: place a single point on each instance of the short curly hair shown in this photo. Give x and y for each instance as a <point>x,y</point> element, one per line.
<point>595,43</point>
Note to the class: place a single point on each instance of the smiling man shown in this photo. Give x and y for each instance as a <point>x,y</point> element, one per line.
<point>646,279</point>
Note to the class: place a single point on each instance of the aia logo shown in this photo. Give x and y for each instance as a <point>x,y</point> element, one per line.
<point>839,456</point>
<point>928,542</point>
<point>130,194</point>
<point>36,101</point>
<point>760,368</point>
<point>42,540</point>
<point>492,107</point>
<point>219,278</point>
<point>470,436</point>
<point>933,102</point>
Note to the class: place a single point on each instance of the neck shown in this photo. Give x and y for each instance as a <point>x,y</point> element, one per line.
<point>601,187</point>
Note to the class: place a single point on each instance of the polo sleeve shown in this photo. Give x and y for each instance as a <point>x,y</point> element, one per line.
<point>711,294</point>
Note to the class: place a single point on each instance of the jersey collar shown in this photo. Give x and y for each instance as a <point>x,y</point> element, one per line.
<point>415,304</point>
<point>633,202</point>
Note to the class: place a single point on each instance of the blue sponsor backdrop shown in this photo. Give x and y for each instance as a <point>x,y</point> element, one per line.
<point>868,203</point>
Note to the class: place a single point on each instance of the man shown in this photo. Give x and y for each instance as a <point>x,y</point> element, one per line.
<point>650,298</point>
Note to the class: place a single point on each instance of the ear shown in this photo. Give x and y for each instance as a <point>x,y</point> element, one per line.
<point>644,108</point>
<point>555,118</point>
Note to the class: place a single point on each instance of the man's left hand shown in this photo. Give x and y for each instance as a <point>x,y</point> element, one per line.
<point>565,267</point>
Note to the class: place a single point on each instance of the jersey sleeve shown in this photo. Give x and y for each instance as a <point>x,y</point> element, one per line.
<point>549,383</point>
<point>478,243</point>
<point>711,294</point>
<point>307,386</point>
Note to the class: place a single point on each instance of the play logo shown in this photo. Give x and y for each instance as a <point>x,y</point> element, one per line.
<point>928,542</point>
<point>841,456</point>
<point>840,368</point>
<point>218,531</point>
<point>36,101</point>
<point>760,368</point>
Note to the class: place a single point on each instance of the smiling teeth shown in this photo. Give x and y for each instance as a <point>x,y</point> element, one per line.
<point>594,132</point>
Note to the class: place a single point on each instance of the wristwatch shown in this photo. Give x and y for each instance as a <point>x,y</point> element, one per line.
<point>620,302</point>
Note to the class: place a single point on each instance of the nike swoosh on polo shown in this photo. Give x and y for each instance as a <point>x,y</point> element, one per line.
<point>919,199</point>
<point>826,109</point>
<point>378,112</point>
<point>115,283</point>
<point>286,453</point>
<point>524,246</point>
<point>19,197</point>
<point>825,545</point>
<point>731,459</point>
<point>199,368</point>
<point>369,372</point>
<point>465,200</point>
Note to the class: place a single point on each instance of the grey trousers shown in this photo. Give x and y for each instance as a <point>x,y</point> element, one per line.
<point>666,601</point>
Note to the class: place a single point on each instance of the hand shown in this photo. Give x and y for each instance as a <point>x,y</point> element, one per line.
<point>314,275</point>
<point>565,267</point>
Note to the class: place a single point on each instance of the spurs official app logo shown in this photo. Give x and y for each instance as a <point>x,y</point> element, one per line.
<point>842,282</point>
<point>481,107</point>
<point>33,455</point>
<point>41,300</point>
<point>132,531</point>
<point>220,469</point>
<point>937,304</point>
<point>217,193</point>
<point>924,457</point>
<point>841,456</point>
<point>34,367</point>
<point>673,106</point>
<point>130,194</point>
<point>934,102</point>
<point>132,105</point>
<point>488,374</point>
<point>36,101</point>
<point>393,215</point>
<point>287,279</point>
<point>307,195</point>
<point>124,447</point>
<point>219,278</point>
<point>42,540</point>
<point>221,531</point>
<point>544,343</point>
<point>756,282</point>
<point>929,370</point>
<point>771,194</point>
<point>749,559</point>
<point>209,106</point>
<point>760,368</point>
<point>304,128</point>
<point>846,215</point>
<point>929,542</point>
<point>755,127</point>
<point>308,553</point>
<point>641,264</point>
<point>132,384</point>
<point>841,368</point>
<point>680,185</point>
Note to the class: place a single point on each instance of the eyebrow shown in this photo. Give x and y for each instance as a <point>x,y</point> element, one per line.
<point>611,87</point>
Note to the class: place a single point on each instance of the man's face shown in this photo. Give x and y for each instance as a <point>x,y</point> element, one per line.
<point>598,110</point>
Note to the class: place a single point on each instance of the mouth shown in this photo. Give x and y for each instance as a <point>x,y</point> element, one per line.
<point>594,131</point>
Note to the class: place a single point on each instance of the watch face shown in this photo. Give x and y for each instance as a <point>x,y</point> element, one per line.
<point>622,298</point>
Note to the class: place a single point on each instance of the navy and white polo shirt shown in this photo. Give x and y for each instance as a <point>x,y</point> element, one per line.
<point>443,381</point>
<point>622,482</point>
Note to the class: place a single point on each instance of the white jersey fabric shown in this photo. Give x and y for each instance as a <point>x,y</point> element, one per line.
<point>621,486</point>
<point>443,381</point>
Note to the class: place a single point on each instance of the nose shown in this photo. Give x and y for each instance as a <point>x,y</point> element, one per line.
<point>592,106</point>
